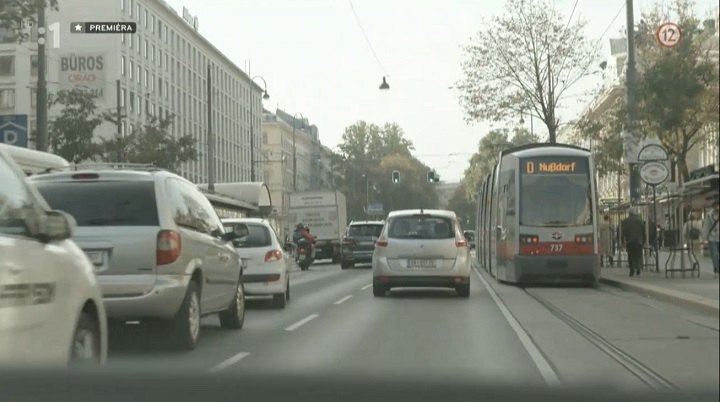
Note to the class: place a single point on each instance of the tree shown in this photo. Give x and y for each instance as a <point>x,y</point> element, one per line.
<point>488,154</point>
<point>462,205</point>
<point>16,15</point>
<point>71,133</point>
<point>151,143</point>
<point>525,60</point>
<point>413,191</point>
<point>604,131</point>
<point>677,89</point>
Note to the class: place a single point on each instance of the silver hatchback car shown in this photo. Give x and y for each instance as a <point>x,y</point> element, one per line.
<point>159,250</point>
<point>421,248</point>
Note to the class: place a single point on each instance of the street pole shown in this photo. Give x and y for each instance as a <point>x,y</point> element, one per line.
<point>630,76</point>
<point>252,154</point>
<point>118,122</point>
<point>42,101</point>
<point>210,136</point>
<point>294,159</point>
<point>367,197</point>
<point>657,235</point>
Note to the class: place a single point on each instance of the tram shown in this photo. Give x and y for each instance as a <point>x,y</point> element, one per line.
<point>537,216</point>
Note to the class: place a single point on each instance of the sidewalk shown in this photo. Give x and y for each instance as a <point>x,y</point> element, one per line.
<point>699,293</point>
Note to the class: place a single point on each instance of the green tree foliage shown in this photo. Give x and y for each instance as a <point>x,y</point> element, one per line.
<point>463,206</point>
<point>15,15</point>
<point>363,168</point>
<point>151,143</point>
<point>488,153</point>
<point>606,142</point>
<point>525,60</point>
<point>677,89</point>
<point>71,132</point>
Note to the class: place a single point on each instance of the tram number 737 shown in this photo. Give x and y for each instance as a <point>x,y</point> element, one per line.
<point>556,247</point>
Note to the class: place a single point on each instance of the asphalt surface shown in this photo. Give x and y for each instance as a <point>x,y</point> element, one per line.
<point>502,334</point>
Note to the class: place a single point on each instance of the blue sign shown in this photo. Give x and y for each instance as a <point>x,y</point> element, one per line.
<point>14,129</point>
<point>375,209</point>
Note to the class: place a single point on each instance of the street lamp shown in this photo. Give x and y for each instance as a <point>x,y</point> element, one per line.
<point>295,149</point>
<point>384,86</point>
<point>252,130</point>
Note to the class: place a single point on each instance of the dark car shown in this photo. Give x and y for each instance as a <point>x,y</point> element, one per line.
<point>359,242</point>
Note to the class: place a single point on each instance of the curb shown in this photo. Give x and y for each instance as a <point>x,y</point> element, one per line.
<point>689,300</point>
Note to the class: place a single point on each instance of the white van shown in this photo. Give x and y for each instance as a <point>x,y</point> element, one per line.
<point>33,162</point>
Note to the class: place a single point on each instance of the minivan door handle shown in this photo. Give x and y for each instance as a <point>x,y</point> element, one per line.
<point>223,257</point>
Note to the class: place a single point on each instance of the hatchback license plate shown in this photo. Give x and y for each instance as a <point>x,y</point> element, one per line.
<point>96,257</point>
<point>421,263</point>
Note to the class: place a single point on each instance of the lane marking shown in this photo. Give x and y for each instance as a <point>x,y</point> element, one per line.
<point>229,362</point>
<point>549,375</point>
<point>366,286</point>
<point>302,322</point>
<point>343,299</point>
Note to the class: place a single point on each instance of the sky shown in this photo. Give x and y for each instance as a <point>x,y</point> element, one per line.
<point>316,61</point>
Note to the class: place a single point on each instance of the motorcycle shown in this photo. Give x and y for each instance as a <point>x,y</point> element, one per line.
<point>304,254</point>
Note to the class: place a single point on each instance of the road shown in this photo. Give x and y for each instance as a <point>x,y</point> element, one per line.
<point>502,334</point>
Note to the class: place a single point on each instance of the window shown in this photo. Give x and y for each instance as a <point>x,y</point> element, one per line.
<point>122,38</point>
<point>159,30</point>
<point>34,65</point>
<point>130,7</point>
<point>112,203</point>
<point>7,66</point>
<point>122,98</point>
<point>365,230</point>
<point>258,236</point>
<point>18,212</point>
<point>166,62</point>
<point>122,65</point>
<point>152,23</point>
<point>190,208</point>
<point>137,12</point>
<point>421,227</point>
<point>7,98</point>
<point>152,55</point>
<point>541,193</point>
<point>139,70</point>
<point>33,98</point>
<point>122,5</point>
<point>145,19</point>
<point>165,33</point>
<point>131,69</point>
<point>131,101</point>
<point>145,77</point>
<point>145,48</point>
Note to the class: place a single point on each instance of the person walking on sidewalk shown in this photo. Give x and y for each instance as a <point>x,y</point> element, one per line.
<point>711,233</point>
<point>692,231</point>
<point>604,242</point>
<point>633,232</point>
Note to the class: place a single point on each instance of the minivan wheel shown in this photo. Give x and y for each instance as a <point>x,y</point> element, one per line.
<point>234,316</point>
<point>379,290</point>
<point>85,347</point>
<point>185,327</point>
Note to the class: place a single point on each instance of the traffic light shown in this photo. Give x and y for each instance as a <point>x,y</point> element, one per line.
<point>396,176</point>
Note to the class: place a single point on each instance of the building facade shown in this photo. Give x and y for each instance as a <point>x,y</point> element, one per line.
<point>160,71</point>
<point>312,167</point>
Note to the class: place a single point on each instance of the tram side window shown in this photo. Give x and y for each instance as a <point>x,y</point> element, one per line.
<point>510,208</point>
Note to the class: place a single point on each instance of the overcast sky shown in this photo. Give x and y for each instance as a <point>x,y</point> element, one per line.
<point>316,61</point>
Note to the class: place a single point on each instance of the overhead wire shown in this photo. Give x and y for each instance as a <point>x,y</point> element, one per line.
<point>367,39</point>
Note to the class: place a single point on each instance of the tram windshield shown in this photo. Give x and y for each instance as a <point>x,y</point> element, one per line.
<point>554,200</point>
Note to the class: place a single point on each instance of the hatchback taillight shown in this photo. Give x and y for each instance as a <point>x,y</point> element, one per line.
<point>273,255</point>
<point>169,246</point>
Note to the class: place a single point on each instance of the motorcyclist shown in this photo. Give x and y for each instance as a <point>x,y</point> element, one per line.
<point>302,232</point>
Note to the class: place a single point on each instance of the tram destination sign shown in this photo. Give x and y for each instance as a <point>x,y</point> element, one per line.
<point>554,165</point>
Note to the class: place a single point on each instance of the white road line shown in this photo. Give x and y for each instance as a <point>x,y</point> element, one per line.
<point>549,375</point>
<point>343,299</point>
<point>366,286</point>
<point>229,362</point>
<point>302,322</point>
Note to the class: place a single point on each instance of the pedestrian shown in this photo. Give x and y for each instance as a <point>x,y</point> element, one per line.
<point>692,230</point>
<point>605,242</point>
<point>711,232</point>
<point>633,231</point>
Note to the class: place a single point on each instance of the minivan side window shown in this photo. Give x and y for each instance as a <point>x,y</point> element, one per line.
<point>204,210</point>
<point>191,209</point>
<point>19,214</point>
<point>179,208</point>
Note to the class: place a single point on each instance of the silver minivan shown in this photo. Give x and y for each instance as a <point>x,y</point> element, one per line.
<point>159,249</point>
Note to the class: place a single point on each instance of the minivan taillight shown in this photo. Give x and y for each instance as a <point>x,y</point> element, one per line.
<point>381,243</point>
<point>169,246</point>
<point>273,255</point>
<point>460,243</point>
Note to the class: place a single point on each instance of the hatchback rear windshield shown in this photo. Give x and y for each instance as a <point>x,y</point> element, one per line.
<point>258,236</point>
<point>108,203</point>
<point>421,227</point>
<point>365,230</point>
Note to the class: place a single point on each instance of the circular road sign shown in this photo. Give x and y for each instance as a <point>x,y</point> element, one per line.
<point>668,35</point>
<point>652,152</point>
<point>654,173</point>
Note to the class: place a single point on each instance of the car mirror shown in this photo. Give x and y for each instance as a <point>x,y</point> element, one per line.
<point>239,230</point>
<point>59,225</point>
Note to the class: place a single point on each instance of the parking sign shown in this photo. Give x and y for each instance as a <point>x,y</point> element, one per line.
<point>14,129</point>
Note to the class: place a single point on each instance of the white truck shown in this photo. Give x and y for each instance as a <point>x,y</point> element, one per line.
<point>325,213</point>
